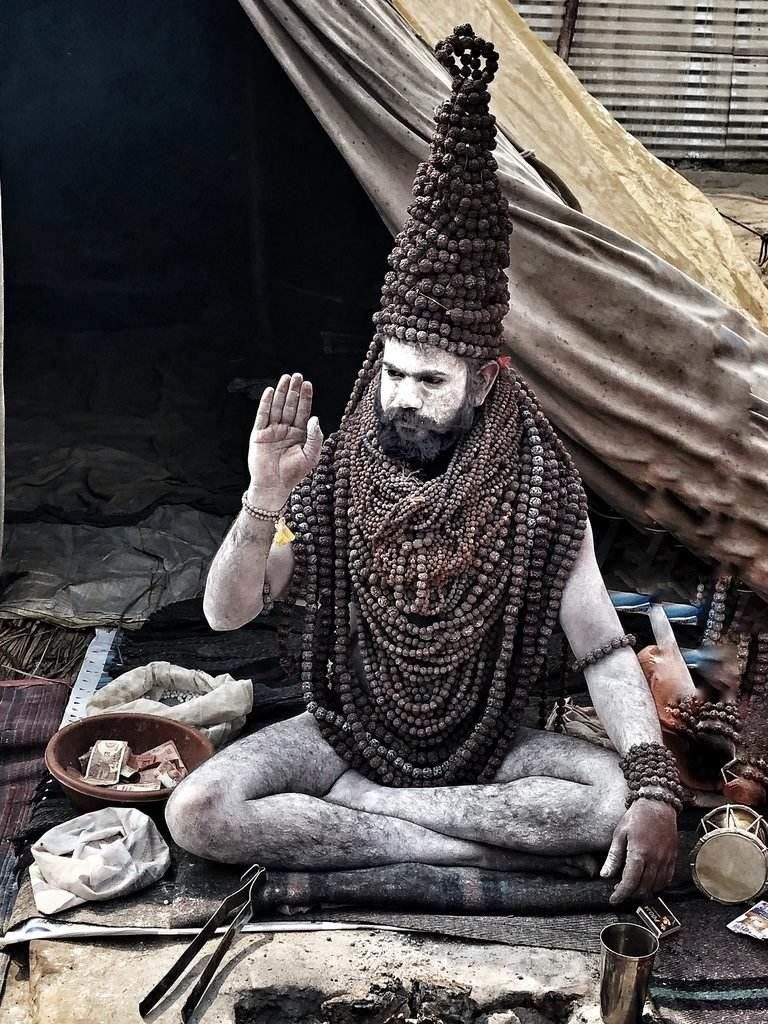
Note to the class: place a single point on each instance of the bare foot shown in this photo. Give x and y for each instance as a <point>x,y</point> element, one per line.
<point>353,790</point>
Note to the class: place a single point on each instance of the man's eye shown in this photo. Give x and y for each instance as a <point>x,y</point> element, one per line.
<point>433,381</point>
<point>394,375</point>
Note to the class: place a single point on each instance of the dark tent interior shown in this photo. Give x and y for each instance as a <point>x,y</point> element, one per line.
<point>178,229</point>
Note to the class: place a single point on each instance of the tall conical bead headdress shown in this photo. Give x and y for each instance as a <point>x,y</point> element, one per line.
<point>447,286</point>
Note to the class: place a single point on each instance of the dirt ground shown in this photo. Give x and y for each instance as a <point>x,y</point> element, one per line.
<point>345,977</point>
<point>742,196</point>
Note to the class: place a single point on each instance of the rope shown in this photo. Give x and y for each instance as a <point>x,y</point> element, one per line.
<point>762,235</point>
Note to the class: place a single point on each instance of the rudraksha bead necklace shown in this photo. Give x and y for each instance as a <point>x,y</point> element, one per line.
<point>457,581</point>
<point>716,615</point>
<point>698,717</point>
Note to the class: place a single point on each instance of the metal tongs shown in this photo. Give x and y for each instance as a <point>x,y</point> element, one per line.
<point>241,903</point>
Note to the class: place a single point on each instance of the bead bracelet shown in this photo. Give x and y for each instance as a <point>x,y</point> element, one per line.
<point>651,773</point>
<point>265,515</point>
<point>283,533</point>
<point>626,640</point>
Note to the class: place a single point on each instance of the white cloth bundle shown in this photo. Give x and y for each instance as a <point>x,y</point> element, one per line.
<point>102,854</point>
<point>217,705</point>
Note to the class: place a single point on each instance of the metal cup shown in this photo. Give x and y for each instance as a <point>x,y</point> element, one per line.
<point>627,952</point>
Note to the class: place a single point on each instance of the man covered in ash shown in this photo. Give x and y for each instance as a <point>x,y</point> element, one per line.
<point>440,534</point>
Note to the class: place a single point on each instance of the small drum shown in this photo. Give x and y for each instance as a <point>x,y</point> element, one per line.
<point>729,863</point>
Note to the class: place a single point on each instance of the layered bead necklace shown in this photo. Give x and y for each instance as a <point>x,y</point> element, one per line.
<point>456,580</point>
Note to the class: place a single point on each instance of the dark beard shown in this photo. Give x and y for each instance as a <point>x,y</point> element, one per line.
<point>408,437</point>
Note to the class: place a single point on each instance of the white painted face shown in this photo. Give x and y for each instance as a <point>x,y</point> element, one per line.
<point>428,381</point>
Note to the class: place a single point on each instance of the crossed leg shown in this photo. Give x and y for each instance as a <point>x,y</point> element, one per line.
<point>284,798</point>
<point>553,794</point>
<point>262,800</point>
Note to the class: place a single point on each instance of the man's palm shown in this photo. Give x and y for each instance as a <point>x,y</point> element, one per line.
<point>285,442</point>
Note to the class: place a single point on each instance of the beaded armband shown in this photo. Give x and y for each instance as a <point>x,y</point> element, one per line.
<point>626,640</point>
<point>651,773</point>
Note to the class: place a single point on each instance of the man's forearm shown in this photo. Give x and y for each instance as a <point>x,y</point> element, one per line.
<point>235,584</point>
<point>623,702</point>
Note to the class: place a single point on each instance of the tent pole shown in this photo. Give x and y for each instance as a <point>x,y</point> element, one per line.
<point>567,28</point>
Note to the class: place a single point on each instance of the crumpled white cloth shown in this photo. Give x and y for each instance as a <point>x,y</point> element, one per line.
<point>100,855</point>
<point>218,705</point>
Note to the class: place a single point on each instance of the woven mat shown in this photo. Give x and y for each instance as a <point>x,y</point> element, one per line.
<point>503,907</point>
<point>705,974</point>
<point>30,712</point>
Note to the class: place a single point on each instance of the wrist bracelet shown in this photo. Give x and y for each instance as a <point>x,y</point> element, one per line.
<point>651,773</point>
<point>662,795</point>
<point>283,532</point>
<point>263,514</point>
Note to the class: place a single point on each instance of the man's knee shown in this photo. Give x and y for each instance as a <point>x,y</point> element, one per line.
<point>197,813</point>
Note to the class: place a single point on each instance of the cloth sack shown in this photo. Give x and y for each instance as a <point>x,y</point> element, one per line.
<point>102,854</point>
<point>217,705</point>
<point>581,721</point>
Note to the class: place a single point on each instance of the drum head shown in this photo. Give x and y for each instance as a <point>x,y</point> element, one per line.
<point>730,866</point>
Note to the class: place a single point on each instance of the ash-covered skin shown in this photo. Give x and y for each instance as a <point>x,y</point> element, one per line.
<point>425,406</point>
<point>279,798</point>
<point>283,797</point>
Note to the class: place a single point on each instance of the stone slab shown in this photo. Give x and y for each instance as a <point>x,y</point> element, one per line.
<point>15,1003</point>
<point>264,976</point>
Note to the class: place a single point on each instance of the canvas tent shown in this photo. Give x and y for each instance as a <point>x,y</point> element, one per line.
<point>636,319</point>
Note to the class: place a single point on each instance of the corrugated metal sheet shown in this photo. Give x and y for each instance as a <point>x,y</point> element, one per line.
<point>543,16</point>
<point>690,79</point>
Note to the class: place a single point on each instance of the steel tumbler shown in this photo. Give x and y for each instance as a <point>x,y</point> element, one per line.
<point>627,953</point>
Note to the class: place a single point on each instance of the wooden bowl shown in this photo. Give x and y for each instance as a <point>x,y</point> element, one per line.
<point>141,732</point>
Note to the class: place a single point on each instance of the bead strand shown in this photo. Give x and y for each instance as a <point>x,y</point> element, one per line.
<point>598,653</point>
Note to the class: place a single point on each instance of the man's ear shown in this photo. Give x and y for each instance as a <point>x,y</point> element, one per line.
<point>486,378</point>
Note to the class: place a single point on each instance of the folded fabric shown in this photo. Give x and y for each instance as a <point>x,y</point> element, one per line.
<point>217,705</point>
<point>102,854</point>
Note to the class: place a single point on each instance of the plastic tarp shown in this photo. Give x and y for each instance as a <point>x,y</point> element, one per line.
<point>635,321</point>
<point>78,574</point>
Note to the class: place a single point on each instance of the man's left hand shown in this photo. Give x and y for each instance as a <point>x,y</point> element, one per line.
<point>645,842</point>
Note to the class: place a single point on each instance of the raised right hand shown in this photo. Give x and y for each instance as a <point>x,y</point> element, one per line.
<point>285,442</point>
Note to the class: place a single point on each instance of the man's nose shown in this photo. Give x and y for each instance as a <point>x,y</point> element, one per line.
<point>408,395</point>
